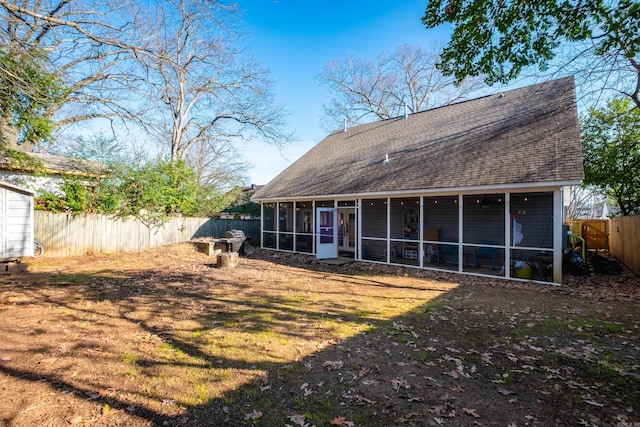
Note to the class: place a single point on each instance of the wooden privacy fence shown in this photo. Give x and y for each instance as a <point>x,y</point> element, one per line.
<point>624,240</point>
<point>65,234</point>
<point>593,231</point>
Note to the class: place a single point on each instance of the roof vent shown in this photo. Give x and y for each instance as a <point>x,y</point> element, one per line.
<point>345,126</point>
<point>406,110</point>
<point>386,159</point>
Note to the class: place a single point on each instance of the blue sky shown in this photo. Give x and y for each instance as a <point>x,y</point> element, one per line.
<point>295,39</point>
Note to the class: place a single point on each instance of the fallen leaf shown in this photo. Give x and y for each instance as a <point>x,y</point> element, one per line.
<point>471,412</point>
<point>397,383</point>
<point>333,365</point>
<point>254,415</point>
<point>438,410</point>
<point>297,420</point>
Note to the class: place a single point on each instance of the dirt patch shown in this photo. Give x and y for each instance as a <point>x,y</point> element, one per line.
<point>165,338</point>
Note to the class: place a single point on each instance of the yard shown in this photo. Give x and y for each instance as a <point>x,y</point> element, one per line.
<point>165,338</point>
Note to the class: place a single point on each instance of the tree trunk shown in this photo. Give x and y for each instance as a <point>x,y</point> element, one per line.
<point>8,134</point>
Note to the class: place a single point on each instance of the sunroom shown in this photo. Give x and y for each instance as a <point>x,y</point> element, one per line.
<point>473,188</point>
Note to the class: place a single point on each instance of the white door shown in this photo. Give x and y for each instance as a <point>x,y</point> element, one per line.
<point>327,233</point>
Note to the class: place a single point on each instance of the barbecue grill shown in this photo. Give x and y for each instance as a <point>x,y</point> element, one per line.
<point>234,240</point>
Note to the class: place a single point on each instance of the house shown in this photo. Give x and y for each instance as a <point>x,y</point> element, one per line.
<point>474,187</point>
<point>16,222</point>
<point>46,172</point>
<point>243,207</point>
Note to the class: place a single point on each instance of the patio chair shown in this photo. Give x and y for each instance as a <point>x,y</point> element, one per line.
<point>448,249</point>
<point>486,252</point>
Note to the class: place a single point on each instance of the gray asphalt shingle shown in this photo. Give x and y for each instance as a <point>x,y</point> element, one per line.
<point>522,136</point>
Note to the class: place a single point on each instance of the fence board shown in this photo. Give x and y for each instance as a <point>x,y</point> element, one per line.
<point>624,240</point>
<point>65,234</point>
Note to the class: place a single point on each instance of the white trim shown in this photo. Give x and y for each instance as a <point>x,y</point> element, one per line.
<point>261,226</point>
<point>388,203</point>
<point>557,236</point>
<point>421,235</point>
<point>16,188</point>
<point>358,255</point>
<point>507,235</point>
<point>533,186</point>
<point>460,233</point>
<point>277,219</point>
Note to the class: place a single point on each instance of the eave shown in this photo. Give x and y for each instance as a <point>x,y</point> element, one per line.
<point>425,192</point>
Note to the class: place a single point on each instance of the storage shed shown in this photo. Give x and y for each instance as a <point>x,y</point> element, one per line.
<point>16,222</point>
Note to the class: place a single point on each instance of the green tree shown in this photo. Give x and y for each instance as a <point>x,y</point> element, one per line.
<point>157,190</point>
<point>27,91</point>
<point>91,46</point>
<point>611,150</point>
<point>498,38</point>
<point>74,196</point>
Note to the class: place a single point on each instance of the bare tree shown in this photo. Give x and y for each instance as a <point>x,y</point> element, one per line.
<point>202,88</point>
<point>88,46</point>
<point>218,164</point>
<point>584,202</point>
<point>363,90</point>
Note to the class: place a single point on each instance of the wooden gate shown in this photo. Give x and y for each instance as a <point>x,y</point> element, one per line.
<point>594,233</point>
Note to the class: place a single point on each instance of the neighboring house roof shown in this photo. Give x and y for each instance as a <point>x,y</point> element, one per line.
<point>607,210</point>
<point>58,165</point>
<point>252,187</point>
<point>522,136</point>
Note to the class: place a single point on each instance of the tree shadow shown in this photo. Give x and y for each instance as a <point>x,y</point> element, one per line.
<point>154,302</point>
<point>264,344</point>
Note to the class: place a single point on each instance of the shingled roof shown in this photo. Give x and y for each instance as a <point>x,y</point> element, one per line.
<point>57,165</point>
<point>519,137</point>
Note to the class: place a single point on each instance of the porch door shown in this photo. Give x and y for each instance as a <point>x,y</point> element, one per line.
<point>327,235</point>
<point>347,229</point>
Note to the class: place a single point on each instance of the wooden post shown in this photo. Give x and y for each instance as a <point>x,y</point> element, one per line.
<point>228,260</point>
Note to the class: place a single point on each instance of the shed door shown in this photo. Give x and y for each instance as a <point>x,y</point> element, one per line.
<point>18,225</point>
<point>327,235</point>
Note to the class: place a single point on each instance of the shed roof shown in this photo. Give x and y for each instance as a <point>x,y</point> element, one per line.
<point>523,136</point>
<point>17,188</point>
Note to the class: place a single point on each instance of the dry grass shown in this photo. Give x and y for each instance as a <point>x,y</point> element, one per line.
<point>165,337</point>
